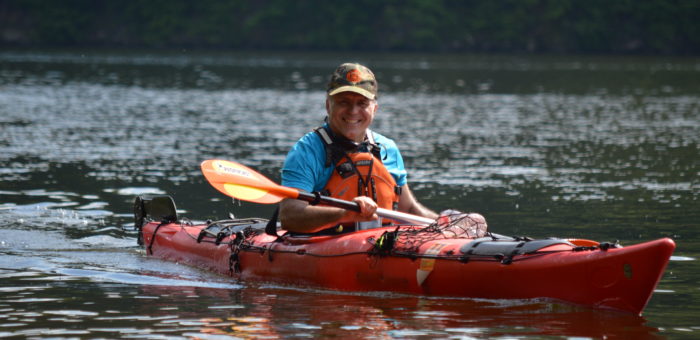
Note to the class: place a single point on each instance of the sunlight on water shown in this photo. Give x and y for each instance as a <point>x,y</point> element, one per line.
<point>492,140</point>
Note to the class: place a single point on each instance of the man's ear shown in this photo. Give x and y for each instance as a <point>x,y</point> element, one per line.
<point>328,104</point>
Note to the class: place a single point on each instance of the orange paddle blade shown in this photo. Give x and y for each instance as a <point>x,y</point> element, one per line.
<point>238,181</point>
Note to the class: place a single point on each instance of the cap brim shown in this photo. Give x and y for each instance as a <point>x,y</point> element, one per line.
<point>349,88</point>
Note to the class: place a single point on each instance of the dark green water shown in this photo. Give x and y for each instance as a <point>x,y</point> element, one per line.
<point>589,147</point>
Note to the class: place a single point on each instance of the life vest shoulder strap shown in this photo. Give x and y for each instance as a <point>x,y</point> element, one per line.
<point>327,145</point>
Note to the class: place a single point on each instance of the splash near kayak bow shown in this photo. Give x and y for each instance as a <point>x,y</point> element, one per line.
<point>413,258</point>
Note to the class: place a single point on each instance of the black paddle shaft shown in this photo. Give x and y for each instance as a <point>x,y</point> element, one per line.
<point>315,198</point>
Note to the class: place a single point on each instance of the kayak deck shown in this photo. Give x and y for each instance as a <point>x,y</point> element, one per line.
<point>495,267</point>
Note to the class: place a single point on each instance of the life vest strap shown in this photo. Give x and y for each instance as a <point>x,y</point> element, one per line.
<point>327,141</point>
<point>335,147</point>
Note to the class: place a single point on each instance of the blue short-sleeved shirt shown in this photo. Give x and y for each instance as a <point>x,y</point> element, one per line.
<point>305,165</point>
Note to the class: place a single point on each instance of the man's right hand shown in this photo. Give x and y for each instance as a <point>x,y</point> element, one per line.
<point>368,209</point>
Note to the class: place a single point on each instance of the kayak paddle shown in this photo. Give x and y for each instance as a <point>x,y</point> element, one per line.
<point>238,181</point>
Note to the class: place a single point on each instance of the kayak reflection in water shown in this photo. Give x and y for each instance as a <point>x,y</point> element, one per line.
<point>345,159</point>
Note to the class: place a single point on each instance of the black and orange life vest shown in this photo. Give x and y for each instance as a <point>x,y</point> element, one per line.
<point>358,171</point>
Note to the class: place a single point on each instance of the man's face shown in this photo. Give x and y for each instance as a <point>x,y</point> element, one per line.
<point>350,114</point>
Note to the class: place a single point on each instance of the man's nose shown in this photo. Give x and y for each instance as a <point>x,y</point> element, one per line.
<point>356,108</point>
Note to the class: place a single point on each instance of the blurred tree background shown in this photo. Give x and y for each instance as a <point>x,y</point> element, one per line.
<point>662,27</point>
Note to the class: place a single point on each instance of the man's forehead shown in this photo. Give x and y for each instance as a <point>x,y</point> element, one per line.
<point>349,95</point>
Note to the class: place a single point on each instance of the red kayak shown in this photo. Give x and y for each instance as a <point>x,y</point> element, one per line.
<point>412,259</point>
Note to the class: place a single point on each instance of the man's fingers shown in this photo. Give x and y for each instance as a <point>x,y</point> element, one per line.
<point>367,206</point>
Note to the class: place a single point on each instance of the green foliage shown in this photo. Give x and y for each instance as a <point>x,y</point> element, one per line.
<point>537,26</point>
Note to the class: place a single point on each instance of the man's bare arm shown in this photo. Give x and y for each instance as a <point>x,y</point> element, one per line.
<point>409,204</point>
<point>299,216</point>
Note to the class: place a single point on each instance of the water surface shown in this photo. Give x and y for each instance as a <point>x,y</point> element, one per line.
<point>591,147</point>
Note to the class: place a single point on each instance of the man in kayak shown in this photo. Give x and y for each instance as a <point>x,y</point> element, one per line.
<point>345,159</point>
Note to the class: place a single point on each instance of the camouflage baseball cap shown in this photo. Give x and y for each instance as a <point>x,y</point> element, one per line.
<point>353,78</point>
